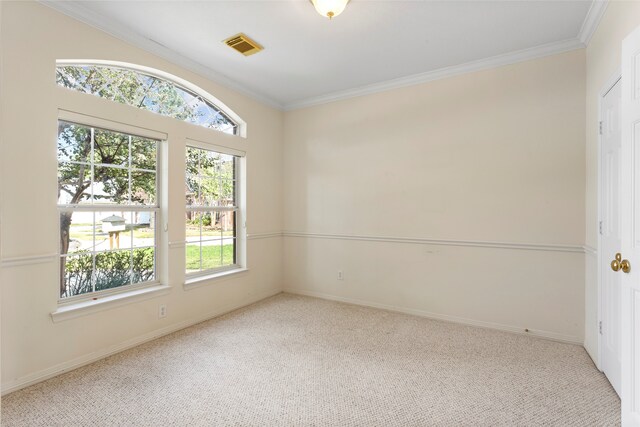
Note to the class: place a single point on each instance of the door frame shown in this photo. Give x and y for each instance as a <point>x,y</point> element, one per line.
<point>600,256</point>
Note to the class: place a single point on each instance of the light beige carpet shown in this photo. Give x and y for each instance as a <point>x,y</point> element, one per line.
<point>298,361</point>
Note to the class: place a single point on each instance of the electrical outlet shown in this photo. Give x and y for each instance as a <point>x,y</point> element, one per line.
<point>340,275</point>
<point>162,311</point>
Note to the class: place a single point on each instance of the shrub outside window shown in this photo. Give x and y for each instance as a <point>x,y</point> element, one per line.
<point>109,164</point>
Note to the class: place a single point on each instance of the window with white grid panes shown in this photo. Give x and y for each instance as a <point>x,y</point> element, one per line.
<point>211,211</point>
<point>144,91</point>
<point>108,208</point>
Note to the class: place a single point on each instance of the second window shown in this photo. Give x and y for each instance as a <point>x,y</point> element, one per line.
<point>211,211</point>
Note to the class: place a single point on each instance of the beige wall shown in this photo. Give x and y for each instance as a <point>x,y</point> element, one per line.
<point>406,192</point>
<point>33,347</point>
<point>603,61</point>
<point>492,156</point>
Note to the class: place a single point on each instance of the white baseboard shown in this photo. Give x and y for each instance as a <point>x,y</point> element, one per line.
<point>45,374</point>
<point>445,317</point>
<point>36,377</point>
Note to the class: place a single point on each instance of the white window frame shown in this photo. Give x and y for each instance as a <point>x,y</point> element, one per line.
<point>163,75</point>
<point>94,111</point>
<point>240,221</point>
<point>94,122</point>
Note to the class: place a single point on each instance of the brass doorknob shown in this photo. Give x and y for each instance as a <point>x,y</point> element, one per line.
<point>625,266</point>
<point>615,265</point>
<point>620,264</point>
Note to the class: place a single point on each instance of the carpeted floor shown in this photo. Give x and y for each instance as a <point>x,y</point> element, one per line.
<point>298,361</point>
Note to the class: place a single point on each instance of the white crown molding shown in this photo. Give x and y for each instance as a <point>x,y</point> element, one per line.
<point>80,12</point>
<point>592,20</point>
<point>442,73</point>
<point>83,14</point>
<point>445,242</point>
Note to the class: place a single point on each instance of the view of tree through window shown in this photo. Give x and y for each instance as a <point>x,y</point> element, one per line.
<point>210,222</point>
<point>146,92</point>
<point>107,199</point>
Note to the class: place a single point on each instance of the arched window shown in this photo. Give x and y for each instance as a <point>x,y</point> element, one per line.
<point>146,91</point>
<point>111,180</point>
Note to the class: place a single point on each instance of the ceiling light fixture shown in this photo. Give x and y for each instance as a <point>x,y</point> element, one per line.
<point>329,8</point>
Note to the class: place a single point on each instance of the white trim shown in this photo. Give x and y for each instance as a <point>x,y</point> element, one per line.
<point>195,143</point>
<point>94,106</point>
<point>240,189</point>
<point>38,259</point>
<point>445,317</point>
<point>163,75</point>
<point>28,260</point>
<point>96,207</point>
<point>592,20</point>
<point>600,260</point>
<point>610,83</point>
<point>36,377</point>
<point>252,236</point>
<point>257,236</point>
<point>71,311</point>
<point>81,13</point>
<point>78,11</point>
<point>445,242</point>
<point>99,295</point>
<point>194,208</point>
<point>442,73</point>
<point>197,281</point>
<point>75,306</point>
<point>99,122</point>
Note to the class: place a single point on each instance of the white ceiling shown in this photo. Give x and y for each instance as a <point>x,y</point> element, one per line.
<point>372,45</point>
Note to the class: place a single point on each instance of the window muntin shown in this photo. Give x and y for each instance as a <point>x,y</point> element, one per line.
<point>211,211</point>
<point>145,91</point>
<point>108,207</point>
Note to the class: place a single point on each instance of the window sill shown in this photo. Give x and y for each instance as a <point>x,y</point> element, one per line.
<point>199,281</point>
<point>71,311</point>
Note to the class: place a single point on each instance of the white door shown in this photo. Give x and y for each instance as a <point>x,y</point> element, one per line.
<point>611,142</point>
<point>630,226</point>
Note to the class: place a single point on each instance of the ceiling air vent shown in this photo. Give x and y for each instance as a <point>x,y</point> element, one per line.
<point>243,44</point>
